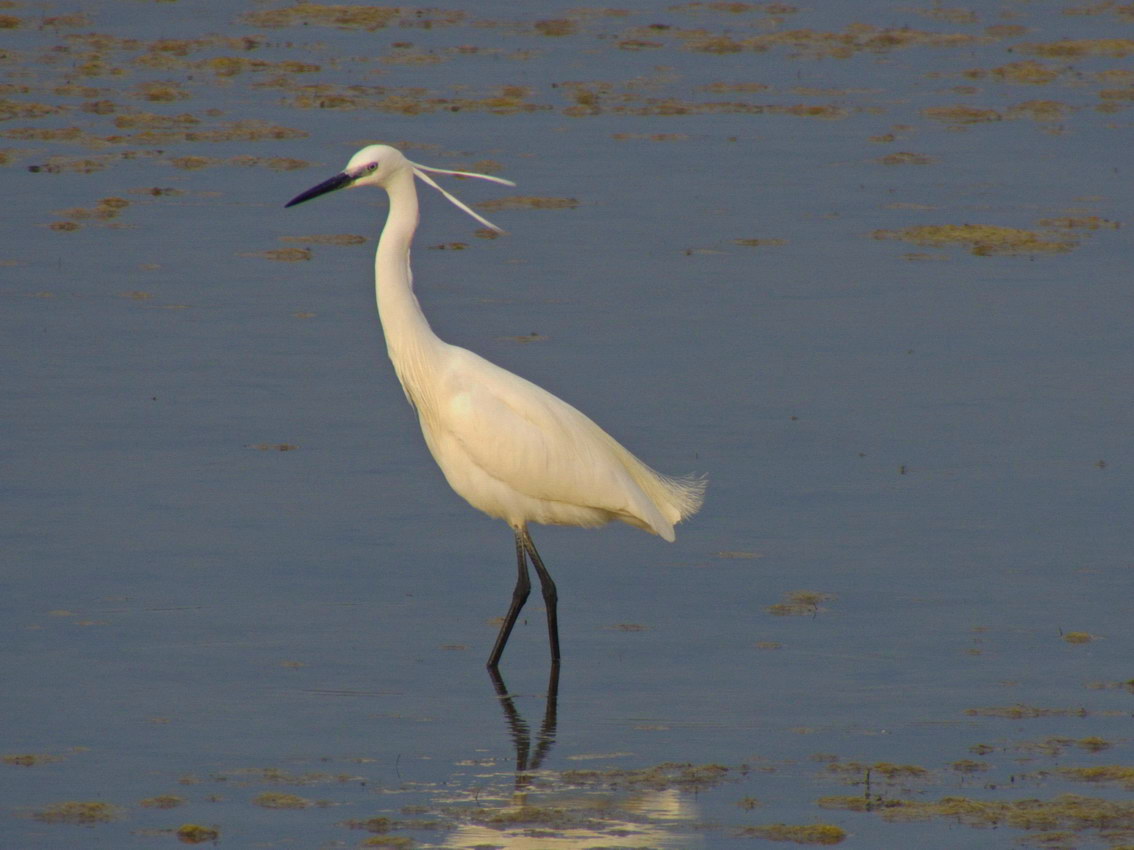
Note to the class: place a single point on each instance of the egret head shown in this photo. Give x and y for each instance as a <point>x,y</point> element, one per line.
<point>376,165</point>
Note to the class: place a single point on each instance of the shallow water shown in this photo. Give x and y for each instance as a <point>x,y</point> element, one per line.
<point>231,568</point>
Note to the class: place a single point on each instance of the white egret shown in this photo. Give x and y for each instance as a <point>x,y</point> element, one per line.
<point>507,446</point>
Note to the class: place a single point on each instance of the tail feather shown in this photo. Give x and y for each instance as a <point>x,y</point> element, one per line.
<point>686,492</point>
<point>672,498</point>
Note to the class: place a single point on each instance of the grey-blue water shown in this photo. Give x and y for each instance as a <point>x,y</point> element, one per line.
<point>231,569</point>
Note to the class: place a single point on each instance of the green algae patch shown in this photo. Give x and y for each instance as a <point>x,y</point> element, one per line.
<point>29,759</point>
<point>527,815</point>
<point>192,833</point>
<point>816,833</point>
<point>1093,744</point>
<point>320,14</point>
<point>278,800</point>
<point>1077,47</point>
<point>756,243</point>
<point>507,100</point>
<point>1022,712</point>
<point>160,92</point>
<point>326,239</point>
<point>1040,110</point>
<point>192,163</point>
<point>556,27</point>
<point>532,202</point>
<point>800,603</point>
<point>983,240</point>
<point>10,109</point>
<point>153,121</point>
<point>850,803</point>
<point>884,769</point>
<point>682,777</point>
<point>1101,773</point>
<point>283,255</point>
<point>856,38</point>
<point>1067,811</point>
<point>84,813</point>
<point>524,338</point>
<point>1028,72</point>
<point>961,114</point>
<point>1052,746</point>
<point>275,775</point>
<point>379,824</point>
<point>230,66</point>
<point>105,210</point>
<point>969,766</point>
<point>1080,222</point>
<point>905,158</point>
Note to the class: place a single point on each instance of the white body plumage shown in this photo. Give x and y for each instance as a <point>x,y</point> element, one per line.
<point>507,446</point>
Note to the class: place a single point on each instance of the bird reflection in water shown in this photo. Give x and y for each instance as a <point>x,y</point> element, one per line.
<point>548,811</point>
<point>526,760</point>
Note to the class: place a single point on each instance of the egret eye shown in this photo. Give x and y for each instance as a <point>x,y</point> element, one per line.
<point>372,166</point>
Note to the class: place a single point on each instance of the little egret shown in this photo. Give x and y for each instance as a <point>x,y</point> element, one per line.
<point>507,446</point>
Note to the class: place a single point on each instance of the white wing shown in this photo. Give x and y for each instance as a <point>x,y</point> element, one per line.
<point>486,421</point>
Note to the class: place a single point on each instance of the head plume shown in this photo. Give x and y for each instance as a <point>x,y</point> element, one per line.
<point>420,171</point>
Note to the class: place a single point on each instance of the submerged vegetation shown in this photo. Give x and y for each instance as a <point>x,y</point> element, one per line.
<point>79,812</point>
<point>985,240</point>
<point>1066,811</point>
<point>823,834</point>
<point>801,603</point>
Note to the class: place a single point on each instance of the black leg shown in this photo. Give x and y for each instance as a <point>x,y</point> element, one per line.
<point>550,595</point>
<point>519,597</point>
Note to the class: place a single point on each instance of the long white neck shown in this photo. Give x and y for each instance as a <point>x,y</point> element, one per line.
<point>410,341</point>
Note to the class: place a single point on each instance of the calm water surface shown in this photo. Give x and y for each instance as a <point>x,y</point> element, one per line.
<point>865,265</point>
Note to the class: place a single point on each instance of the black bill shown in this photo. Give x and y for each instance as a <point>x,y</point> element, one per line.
<point>336,182</point>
